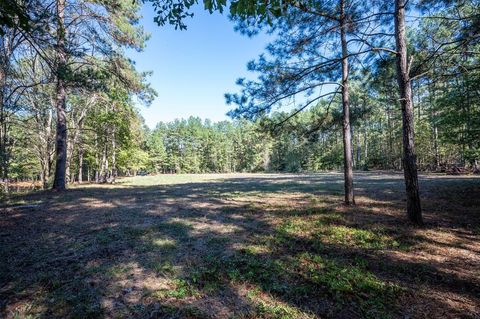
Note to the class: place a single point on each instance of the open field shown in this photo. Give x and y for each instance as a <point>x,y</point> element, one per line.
<point>243,246</point>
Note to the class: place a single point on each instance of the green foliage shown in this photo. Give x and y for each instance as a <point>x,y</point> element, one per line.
<point>13,14</point>
<point>174,12</point>
<point>351,281</point>
<point>194,146</point>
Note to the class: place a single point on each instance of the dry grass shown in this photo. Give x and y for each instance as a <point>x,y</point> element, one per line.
<point>242,246</point>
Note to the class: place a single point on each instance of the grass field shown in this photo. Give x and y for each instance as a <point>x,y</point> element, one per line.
<point>242,246</point>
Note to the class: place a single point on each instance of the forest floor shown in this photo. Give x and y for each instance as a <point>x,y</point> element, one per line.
<point>242,246</point>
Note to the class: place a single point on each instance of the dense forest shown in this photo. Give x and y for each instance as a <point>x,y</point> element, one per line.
<point>311,141</point>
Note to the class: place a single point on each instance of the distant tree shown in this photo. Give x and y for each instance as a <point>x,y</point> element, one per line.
<point>10,40</point>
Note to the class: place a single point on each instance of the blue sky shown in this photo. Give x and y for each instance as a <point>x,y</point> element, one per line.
<point>193,69</point>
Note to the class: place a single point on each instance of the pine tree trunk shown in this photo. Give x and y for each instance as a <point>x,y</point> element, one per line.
<point>390,156</point>
<point>46,153</point>
<point>3,126</point>
<point>3,140</point>
<point>114,156</point>
<point>80,166</point>
<point>68,175</point>
<point>433,118</point>
<point>347,138</point>
<point>97,161</point>
<point>359,151</point>
<point>44,173</point>
<point>71,143</point>
<point>104,165</point>
<point>61,134</point>
<point>435,147</point>
<point>414,210</point>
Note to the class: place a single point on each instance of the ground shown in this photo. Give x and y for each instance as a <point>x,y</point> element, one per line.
<point>242,246</point>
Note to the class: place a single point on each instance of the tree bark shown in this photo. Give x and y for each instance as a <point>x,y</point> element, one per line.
<point>3,129</point>
<point>433,119</point>
<point>75,133</point>
<point>61,134</point>
<point>114,156</point>
<point>80,166</point>
<point>347,138</point>
<point>359,151</point>
<point>70,149</point>
<point>414,210</point>
<point>4,70</point>
<point>104,165</point>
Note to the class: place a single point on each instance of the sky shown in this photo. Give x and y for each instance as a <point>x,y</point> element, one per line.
<point>194,68</point>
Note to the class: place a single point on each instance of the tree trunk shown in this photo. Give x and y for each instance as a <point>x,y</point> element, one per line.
<point>71,143</point>
<point>80,166</point>
<point>44,174</point>
<point>76,134</point>
<point>3,124</point>
<point>104,165</point>
<point>347,138</point>
<point>68,175</point>
<point>114,156</point>
<point>390,156</point>
<point>359,151</point>
<point>435,147</point>
<point>365,143</point>
<point>414,210</point>
<point>433,119</point>
<point>3,138</point>
<point>97,161</point>
<point>61,135</point>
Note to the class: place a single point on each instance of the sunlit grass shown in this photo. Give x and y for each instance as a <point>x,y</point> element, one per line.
<point>178,289</point>
<point>355,237</point>
<point>268,307</point>
<point>260,248</point>
<point>164,243</point>
<point>168,179</point>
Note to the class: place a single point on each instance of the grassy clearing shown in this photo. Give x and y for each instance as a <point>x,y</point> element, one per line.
<point>242,246</point>
<point>169,179</point>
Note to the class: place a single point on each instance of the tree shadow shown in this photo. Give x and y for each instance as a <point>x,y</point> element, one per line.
<point>266,246</point>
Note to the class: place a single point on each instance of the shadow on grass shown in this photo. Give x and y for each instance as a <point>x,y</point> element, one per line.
<point>231,248</point>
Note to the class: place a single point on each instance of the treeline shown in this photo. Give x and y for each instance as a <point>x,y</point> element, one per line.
<point>447,139</point>
<point>107,141</point>
<point>196,146</point>
<point>311,141</point>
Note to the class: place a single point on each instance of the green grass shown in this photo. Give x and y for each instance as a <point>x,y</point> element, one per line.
<point>255,246</point>
<point>179,289</point>
<point>354,237</point>
<point>271,309</point>
<point>167,179</point>
<point>164,268</point>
